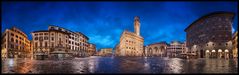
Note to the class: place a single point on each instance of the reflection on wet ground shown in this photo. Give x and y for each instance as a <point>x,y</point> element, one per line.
<point>96,64</point>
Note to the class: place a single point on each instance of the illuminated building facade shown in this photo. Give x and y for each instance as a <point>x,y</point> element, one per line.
<point>105,52</point>
<point>91,49</point>
<point>210,36</point>
<point>57,42</point>
<point>15,44</point>
<point>131,43</point>
<point>117,50</point>
<point>175,49</point>
<point>156,49</point>
<point>235,44</point>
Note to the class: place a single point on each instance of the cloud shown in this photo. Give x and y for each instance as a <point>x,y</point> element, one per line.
<point>102,41</point>
<point>103,22</point>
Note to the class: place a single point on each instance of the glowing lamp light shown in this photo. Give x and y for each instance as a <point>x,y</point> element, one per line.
<point>226,50</point>
<point>219,50</point>
<point>207,50</point>
<point>213,50</point>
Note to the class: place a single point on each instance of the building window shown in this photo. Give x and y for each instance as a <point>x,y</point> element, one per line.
<point>52,44</point>
<point>45,38</point>
<point>12,40</point>
<point>45,33</point>
<point>16,41</point>
<point>36,44</point>
<point>40,38</point>
<point>35,34</point>
<point>40,44</point>
<point>12,46</point>
<point>45,44</point>
<point>52,38</point>
<point>36,38</point>
<point>52,28</point>
<point>12,34</point>
<point>213,38</point>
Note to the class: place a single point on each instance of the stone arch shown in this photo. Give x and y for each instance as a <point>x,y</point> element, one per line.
<point>150,51</point>
<point>156,51</point>
<point>162,50</point>
<point>207,53</point>
<point>213,53</point>
<point>226,53</point>
<point>220,53</point>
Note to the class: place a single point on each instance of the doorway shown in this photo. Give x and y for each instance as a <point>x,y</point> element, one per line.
<point>201,53</point>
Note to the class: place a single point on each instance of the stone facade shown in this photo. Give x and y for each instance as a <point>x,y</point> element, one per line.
<point>175,49</point>
<point>15,44</point>
<point>59,42</point>
<point>105,52</point>
<point>210,35</point>
<point>91,50</point>
<point>235,44</point>
<point>117,50</point>
<point>156,49</point>
<point>131,43</point>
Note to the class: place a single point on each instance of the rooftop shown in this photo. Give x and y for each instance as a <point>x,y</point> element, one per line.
<point>208,15</point>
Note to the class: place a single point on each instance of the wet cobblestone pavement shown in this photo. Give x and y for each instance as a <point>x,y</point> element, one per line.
<point>96,64</point>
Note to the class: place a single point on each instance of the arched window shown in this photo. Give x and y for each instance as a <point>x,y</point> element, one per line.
<point>12,40</point>
<point>156,49</point>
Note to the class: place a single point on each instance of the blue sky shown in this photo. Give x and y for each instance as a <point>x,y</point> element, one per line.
<point>103,22</point>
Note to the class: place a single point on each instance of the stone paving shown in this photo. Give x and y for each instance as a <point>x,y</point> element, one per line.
<point>95,64</point>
